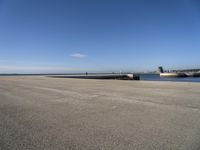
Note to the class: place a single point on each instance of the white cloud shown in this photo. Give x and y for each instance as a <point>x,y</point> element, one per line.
<point>78,55</point>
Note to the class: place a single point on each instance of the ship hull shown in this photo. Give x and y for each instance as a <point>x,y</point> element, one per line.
<point>179,74</point>
<point>172,75</point>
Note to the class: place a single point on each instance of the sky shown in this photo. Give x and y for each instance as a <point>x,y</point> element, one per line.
<point>66,36</point>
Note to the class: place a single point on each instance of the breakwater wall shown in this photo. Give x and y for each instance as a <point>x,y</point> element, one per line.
<point>100,76</point>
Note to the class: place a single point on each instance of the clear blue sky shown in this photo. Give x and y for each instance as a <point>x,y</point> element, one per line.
<point>58,36</point>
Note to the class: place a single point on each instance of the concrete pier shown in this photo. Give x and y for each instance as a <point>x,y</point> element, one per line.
<point>41,113</point>
<point>100,76</point>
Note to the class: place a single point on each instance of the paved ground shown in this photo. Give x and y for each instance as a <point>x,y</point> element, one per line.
<point>43,113</point>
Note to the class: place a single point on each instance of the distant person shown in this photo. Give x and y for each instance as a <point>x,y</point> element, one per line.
<point>86,73</point>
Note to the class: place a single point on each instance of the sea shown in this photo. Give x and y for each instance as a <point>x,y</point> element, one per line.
<point>144,77</point>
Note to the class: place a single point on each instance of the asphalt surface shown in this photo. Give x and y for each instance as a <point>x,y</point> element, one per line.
<point>41,113</point>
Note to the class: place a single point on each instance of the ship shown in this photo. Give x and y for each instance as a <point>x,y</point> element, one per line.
<point>179,73</point>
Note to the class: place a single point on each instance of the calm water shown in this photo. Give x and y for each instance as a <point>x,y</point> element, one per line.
<point>156,77</point>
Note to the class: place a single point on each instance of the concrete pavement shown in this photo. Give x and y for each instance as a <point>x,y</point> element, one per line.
<point>41,113</point>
